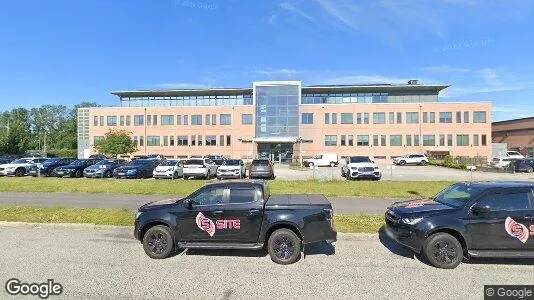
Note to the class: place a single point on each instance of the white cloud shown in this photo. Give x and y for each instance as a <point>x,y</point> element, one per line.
<point>364,79</point>
<point>292,8</point>
<point>445,69</point>
<point>181,85</point>
<point>273,20</point>
<point>272,71</point>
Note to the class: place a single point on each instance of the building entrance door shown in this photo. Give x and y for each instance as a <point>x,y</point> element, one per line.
<point>281,153</point>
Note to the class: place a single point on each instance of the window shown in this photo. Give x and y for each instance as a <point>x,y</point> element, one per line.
<point>334,118</point>
<point>425,117</point>
<point>141,141</point>
<point>466,117</point>
<point>154,120</point>
<point>458,117</point>
<point>343,140</point>
<point>399,118</point>
<point>101,120</point>
<point>171,140</point>
<point>207,120</point>
<point>429,140</point>
<point>383,140</point>
<point>185,120</point>
<point>475,139</point>
<point>178,119</point>
<point>375,140</point>
<point>358,118</point>
<point>306,118</point>
<point>228,140</point>
<point>139,120</point>
<point>330,140</point>
<point>449,140</point>
<point>128,121</point>
<point>182,120</point>
<point>363,140</point>
<point>347,118</point>
<point>391,118</point>
<point>95,121</point>
<point>214,119</point>
<point>225,119</point>
<point>165,141</point>
<point>445,117</point>
<point>379,118</point>
<point>242,195</point>
<point>327,118</point>
<point>506,201</point>
<point>350,140</point>
<point>416,140</point>
<point>97,139</point>
<point>395,140</point>
<point>167,120</point>
<point>221,140</point>
<point>196,120</point>
<point>484,142</point>
<point>530,151</point>
<point>199,140</point>
<point>408,140</point>
<point>412,118</point>
<point>246,119</point>
<point>149,120</point>
<point>193,140</point>
<point>182,140</point>
<point>112,120</point>
<point>121,120</point>
<point>211,140</point>
<point>366,118</point>
<point>479,117</point>
<point>210,196</point>
<point>432,117</point>
<point>442,140</point>
<point>462,140</point>
<point>152,140</point>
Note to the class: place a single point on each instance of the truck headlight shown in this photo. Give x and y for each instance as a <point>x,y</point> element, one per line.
<point>411,221</point>
<point>137,215</point>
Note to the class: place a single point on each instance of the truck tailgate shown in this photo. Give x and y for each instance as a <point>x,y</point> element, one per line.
<point>285,200</point>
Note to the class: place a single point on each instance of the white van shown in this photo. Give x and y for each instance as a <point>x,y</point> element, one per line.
<point>323,160</point>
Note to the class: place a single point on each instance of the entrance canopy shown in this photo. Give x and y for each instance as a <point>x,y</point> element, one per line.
<point>275,139</point>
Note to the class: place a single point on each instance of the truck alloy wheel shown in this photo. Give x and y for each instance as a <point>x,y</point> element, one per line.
<point>284,247</point>
<point>442,250</point>
<point>158,242</point>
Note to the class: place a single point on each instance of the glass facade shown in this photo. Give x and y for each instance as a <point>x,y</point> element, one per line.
<point>277,110</point>
<point>216,100</point>
<point>344,98</point>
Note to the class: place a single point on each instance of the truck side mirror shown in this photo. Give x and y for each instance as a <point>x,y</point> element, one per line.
<point>188,204</point>
<point>480,210</point>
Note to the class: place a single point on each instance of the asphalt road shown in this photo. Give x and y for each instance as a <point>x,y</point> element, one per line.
<point>107,263</point>
<point>342,205</point>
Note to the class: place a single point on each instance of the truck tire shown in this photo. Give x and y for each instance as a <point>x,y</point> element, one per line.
<point>443,250</point>
<point>78,174</point>
<point>158,242</point>
<point>332,164</point>
<point>20,172</point>
<point>284,247</point>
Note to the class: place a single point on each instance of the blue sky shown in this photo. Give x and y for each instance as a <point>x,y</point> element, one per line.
<point>66,52</point>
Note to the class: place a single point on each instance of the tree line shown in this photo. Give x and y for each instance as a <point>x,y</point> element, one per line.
<point>49,128</point>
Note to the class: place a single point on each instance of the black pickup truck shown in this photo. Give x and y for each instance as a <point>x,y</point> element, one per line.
<point>236,215</point>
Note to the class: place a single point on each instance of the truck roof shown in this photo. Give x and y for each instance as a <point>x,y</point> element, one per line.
<point>502,184</point>
<point>240,182</point>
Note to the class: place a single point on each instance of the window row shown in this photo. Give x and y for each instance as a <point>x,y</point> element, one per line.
<point>170,120</point>
<point>409,140</point>
<point>344,98</point>
<point>219,100</point>
<point>182,140</point>
<point>396,117</point>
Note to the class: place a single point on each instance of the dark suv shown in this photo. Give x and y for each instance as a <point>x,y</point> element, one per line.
<point>261,168</point>
<point>524,165</point>
<point>482,219</point>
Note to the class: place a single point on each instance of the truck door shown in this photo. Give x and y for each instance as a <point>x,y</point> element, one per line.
<point>507,224</point>
<point>243,215</point>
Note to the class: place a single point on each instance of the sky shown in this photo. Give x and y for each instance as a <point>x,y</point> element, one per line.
<point>67,52</point>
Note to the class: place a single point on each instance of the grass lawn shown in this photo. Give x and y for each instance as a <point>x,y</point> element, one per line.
<point>123,217</point>
<point>383,189</point>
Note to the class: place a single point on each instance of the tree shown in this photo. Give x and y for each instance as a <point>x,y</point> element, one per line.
<point>16,131</point>
<point>116,142</point>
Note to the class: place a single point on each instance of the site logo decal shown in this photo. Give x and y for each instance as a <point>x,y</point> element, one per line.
<point>205,224</point>
<point>518,230</point>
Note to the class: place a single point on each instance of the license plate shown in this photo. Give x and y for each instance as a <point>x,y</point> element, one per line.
<point>122,174</point>
<point>60,173</point>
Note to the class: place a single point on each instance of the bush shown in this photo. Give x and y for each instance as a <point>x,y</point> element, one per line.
<point>62,153</point>
<point>448,160</point>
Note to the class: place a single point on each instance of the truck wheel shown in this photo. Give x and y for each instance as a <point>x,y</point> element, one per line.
<point>332,164</point>
<point>530,170</point>
<point>442,250</point>
<point>158,242</point>
<point>310,164</point>
<point>19,172</point>
<point>402,163</point>
<point>284,247</point>
<point>423,163</point>
<point>78,174</point>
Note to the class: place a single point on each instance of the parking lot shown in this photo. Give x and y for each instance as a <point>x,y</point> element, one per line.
<point>107,263</point>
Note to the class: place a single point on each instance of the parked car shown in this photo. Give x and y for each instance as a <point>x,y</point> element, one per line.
<point>261,168</point>
<point>170,168</point>
<point>214,157</point>
<point>103,169</point>
<point>357,167</point>
<point>5,161</point>
<point>139,168</point>
<point>232,168</point>
<point>323,160</point>
<point>411,159</point>
<point>514,155</point>
<point>98,156</point>
<point>236,215</point>
<point>524,165</point>
<point>75,168</point>
<point>218,162</point>
<point>501,162</point>
<point>48,166</point>
<point>199,168</point>
<point>467,220</point>
<point>19,167</point>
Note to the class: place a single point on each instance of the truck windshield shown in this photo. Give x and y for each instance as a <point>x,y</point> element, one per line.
<point>231,162</point>
<point>359,159</point>
<point>457,195</point>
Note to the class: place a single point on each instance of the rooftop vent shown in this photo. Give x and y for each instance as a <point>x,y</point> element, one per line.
<point>413,82</point>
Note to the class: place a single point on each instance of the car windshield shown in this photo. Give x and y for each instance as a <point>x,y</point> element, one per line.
<point>20,161</point>
<point>52,161</point>
<point>194,162</point>
<point>457,195</point>
<point>231,162</point>
<point>260,162</point>
<point>139,162</point>
<point>359,159</point>
<point>218,162</point>
<point>105,162</point>
<point>496,159</point>
<point>79,162</point>
<point>169,163</point>
<point>513,153</point>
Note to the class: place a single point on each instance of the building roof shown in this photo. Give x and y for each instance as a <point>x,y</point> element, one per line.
<point>513,121</point>
<point>357,88</point>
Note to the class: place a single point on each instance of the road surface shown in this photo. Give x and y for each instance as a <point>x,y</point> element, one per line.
<point>107,263</point>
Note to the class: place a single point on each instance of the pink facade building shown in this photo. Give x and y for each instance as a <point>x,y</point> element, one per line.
<point>284,121</point>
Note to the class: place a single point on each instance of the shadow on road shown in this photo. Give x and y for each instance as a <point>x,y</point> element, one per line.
<point>500,261</point>
<point>397,248</point>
